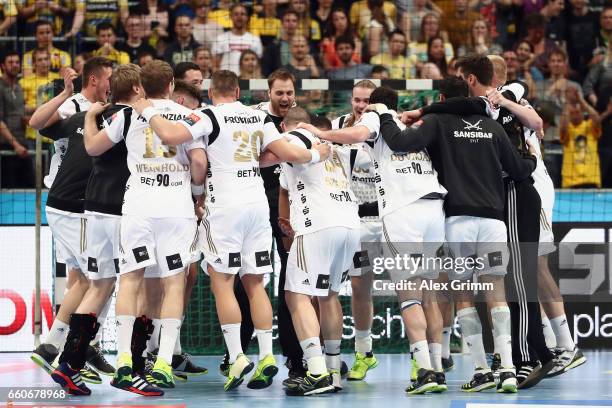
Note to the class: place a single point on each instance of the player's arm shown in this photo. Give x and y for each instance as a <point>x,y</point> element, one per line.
<point>527,116</point>
<point>518,166</point>
<point>99,141</point>
<point>268,159</point>
<point>349,135</point>
<point>47,114</point>
<point>414,138</point>
<point>170,133</point>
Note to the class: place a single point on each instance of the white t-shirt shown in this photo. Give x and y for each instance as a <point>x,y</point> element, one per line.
<point>319,194</point>
<point>160,179</point>
<point>402,178</point>
<point>234,135</point>
<point>230,46</point>
<point>76,103</point>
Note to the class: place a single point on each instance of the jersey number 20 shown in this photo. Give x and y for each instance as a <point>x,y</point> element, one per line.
<point>247,150</point>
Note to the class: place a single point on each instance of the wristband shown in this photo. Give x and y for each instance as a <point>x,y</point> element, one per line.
<point>316,157</point>
<point>148,113</point>
<point>197,190</point>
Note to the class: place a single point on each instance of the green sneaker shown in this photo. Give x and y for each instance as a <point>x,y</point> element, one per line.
<point>241,367</point>
<point>162,373</point>
<point>265,372</point>
<point>415,370</point>
<point>361,366</point>
<point>123,374</point>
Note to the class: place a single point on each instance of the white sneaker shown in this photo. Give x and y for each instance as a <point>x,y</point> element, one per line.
<point>565,360</point>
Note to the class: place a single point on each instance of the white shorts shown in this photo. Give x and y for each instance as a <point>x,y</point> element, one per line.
<point>102,246</point>
<point>70,234</point>
<point>318,261</point>
<point>545,188</point>
<point>416,230</point>
<point>237,240</point>
<point>370,237</point>
<point>167,243</point>
<point>483,240</point>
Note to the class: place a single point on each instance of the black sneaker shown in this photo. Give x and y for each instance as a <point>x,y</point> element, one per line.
<point>507,381</point>
<point>311,385</point>
<point>296,372</point>
<point>495,364</point>
<point>139,386</point>
<point>565,360</point>
<point>441,381</point>
<point>224,367</point>
<point>182,365</point>
<point>44,355</point>
<point>529,374</point>
<point>95,358</point>
<point>426,381</point>
<point>448,363</point>
<point>479,382</point>
<point>70,379</point>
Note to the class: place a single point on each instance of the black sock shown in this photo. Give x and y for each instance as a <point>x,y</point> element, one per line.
<point>83,329</point>
<point>143,328</point>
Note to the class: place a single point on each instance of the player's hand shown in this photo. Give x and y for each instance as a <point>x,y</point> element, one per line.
<point>20,150</point>
<point>496,98</point>
<point>199,207</point>
<point>379,108</point>
<point>324,150</point>
<point>97,108</point>
<point>312,129</point>
<point>285,227</point>
<point>69,76</point>
<point>411,116</point>
<point>141,105</point>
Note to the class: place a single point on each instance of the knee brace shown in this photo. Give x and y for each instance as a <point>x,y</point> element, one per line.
<point>408,303</point>
<point>469,321</point>
<point>500,316</point>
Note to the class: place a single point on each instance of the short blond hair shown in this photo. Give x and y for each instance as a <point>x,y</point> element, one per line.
<point>122,81</point>
<point>155,78</point>
<point>500,69</point>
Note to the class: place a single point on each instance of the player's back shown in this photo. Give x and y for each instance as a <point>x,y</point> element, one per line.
<point>240,134</point>
<point>160,180</point>
<point>320,194</point>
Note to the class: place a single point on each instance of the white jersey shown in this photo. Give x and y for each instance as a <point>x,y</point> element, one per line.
<point>159,185</point>
<point>542,181</point>
<point>319,194</point>
<point>234,135</point>
<point>76,103</point>
<point>402,178</point>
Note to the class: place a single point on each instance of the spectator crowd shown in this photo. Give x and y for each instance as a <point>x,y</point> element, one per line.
<point>560,49</point>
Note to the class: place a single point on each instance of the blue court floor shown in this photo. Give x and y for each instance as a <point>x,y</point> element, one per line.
<point>587,386</point>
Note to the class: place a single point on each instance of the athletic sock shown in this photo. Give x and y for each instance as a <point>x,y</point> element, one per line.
<point>178,349</point>
<point>435,355</point>
<point>101,320</point>
<point>500,317</point>
<point>472,335</point>
<point>153,342</point>
<point>314,355</point>
<point>420,352</point>
<point>562,332</point>
<point>446,337</point>
<point>363,341</point>
<point>170,330</point>
<point>57,334</point>
<point>125,328</point>
<point>549,334</point>
<point>264,340</point>
<point>231,334</point>
<point>332,354</point>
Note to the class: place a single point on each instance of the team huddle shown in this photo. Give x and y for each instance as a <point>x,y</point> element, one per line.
<point>146,189</point>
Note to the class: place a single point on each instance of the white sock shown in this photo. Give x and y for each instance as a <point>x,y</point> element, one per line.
<point>420,352</point>
<point>363,341</point>
<point>562,332</point>
<point>101,319</point>
<point>435,355</point>
<point>332,354</point>
<point>57,334</point>
<point>264,340</point>
<point>231,334</point>
<point>314,355</point>
<point>125,327</point>
<point>153,342</point>
<point>446,337</point>
<point>472,335</point>
<point>170,329</point>
<point>500,317</point>
<point>549,334</point>
<point>178,350</point>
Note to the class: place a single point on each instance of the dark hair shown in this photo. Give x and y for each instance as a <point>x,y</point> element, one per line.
<point>344,39</point>
<point>453,86</point>
<point>320,122</point>
<point>224,82</point>
<point>558,51</point>
<point>534,20</point>
<point>378,14</point>
<point>94,66</point>
<point>142,8</point>
<point>105,26</point>
<point>238,4</point>
<point>478,65</point>
<point>40,23</point>
<point>386,96</point>
<point>282,75</point>
<point>289,11</point>
<point>397,31</point>
<point>376,69</point>
<point>10,53</point>
<point>188,89</point>
<point>442,65</point>
<point>182,67</point>
<point>144,53</point>
<point>330,29</point>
